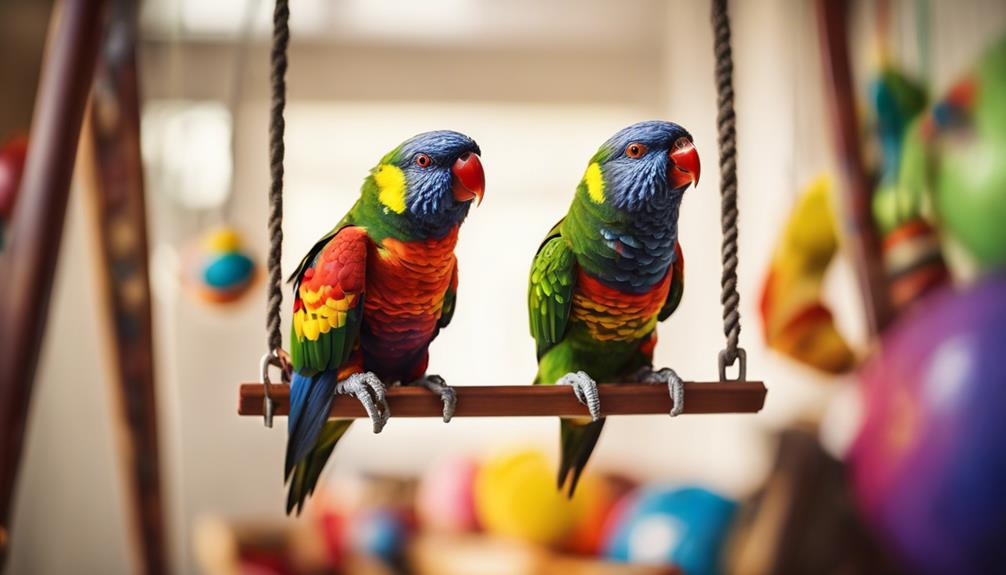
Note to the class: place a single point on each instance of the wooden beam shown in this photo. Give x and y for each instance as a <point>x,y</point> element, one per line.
<point>28,262</point>
<point>532,400</point>
<point>110,173</point>
<point>860,232</point>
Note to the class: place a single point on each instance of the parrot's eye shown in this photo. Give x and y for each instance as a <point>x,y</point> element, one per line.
<point>635,150</point>
<point>423,161</point>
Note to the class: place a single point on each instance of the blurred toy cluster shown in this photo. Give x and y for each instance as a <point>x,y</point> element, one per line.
<point>926,466</point>
<point>498,515</point>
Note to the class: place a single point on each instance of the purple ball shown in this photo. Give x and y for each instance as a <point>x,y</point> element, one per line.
<point>929,463</point>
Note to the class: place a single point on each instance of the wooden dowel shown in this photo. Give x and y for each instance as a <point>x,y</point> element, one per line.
<point>532,400</point>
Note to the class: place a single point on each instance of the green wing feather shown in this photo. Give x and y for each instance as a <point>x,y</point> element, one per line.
<point>450,299</point>
<point>338,261</point>
<point>308,259</point>
<point>677,285</point>
<point>550,290</point>
<point>328,313</point>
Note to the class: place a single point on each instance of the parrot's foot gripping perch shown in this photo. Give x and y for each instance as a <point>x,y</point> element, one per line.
<point>674,384</point>
<point>437,385</point>
<point>585,389</point>
<point>370,391</point>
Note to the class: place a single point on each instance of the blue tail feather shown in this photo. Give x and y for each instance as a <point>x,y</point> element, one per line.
<point>310,403</point>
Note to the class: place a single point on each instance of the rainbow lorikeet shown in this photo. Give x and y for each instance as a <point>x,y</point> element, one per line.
<point>608,272</point>
<point>373,293</point>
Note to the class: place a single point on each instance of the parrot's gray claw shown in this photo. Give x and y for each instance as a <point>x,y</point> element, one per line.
<point>369,389</point>
<point>437,385</point>
<point>674,384</point>
<point>585,389</point>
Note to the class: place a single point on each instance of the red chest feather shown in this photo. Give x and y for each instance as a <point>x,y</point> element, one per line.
<point>610,314</point>
<point>406,283</point>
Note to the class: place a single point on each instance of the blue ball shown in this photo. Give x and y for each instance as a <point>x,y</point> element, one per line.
<point>380,533</point>
<point>228,271</point>
<point>683,526</point>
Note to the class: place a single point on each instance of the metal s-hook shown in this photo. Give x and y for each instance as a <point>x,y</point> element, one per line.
<point>270,359</point>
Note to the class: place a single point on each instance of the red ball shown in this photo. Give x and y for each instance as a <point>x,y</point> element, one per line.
<point>12,159</point>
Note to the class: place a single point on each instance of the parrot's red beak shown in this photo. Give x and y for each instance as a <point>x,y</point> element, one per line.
<point>469,178</point>
<point>685,167</point>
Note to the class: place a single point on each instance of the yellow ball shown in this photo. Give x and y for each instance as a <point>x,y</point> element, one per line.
<point>222,240</point>
<point>516,496</point>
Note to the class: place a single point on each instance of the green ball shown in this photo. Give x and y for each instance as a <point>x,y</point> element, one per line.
<point>970,182</point>
<point>970,199</point>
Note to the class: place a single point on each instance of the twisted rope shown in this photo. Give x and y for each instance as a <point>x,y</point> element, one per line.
<point>727,139</point>
<point>277,125</point>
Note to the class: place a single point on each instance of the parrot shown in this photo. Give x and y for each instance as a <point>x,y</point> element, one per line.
<point>371,295</point>
<point>607,273</point>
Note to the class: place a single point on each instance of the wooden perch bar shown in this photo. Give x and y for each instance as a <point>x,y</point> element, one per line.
<point>531,400</point>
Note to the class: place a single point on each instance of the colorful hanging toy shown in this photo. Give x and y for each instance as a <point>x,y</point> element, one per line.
<point>219,270</point>
<point>913,257</point>
<point>796,321</point>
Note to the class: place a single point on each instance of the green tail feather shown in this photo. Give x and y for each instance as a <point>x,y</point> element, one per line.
<point>578,441</point>
<point>304,476</point>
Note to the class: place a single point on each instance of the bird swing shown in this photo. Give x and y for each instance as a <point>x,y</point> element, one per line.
<point>727,395</point>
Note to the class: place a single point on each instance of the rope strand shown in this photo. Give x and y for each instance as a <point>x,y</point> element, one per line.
<point>726,125</point>
<point>277,126</point>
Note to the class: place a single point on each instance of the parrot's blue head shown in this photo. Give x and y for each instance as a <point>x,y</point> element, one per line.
<point>645,166</point>
<point>431,179</point>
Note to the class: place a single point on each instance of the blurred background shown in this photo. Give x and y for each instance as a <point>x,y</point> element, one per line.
<point>539,85</point>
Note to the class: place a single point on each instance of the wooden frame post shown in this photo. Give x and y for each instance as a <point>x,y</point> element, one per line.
<point>860,230</point>
<point>110,171</point>
<point>28,263</point>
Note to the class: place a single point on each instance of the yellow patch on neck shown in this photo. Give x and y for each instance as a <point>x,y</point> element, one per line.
<point>390,182</point>
<point>595,182</point>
